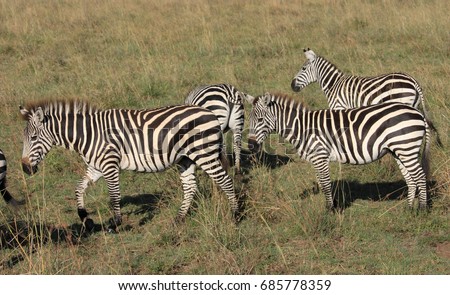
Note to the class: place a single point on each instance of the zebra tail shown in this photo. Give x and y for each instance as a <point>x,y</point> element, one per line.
<point>426,151</point>
<point>430,123</point>
<point>8,198</point>
<point>224,159</point>
<point>433,128</point>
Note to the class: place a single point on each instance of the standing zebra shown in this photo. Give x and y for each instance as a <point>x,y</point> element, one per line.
<point>346,91</point>
<point>227,103</point>
<point>140,140</point>
<point>4,192</point>
<point>355,136</point>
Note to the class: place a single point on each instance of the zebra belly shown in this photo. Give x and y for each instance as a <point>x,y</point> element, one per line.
<point>145,163</point>
<point>353,157</point>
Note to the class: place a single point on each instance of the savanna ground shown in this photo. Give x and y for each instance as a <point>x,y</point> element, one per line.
<point>145,54</point>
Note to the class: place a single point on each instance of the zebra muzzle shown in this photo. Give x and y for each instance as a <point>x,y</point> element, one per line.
<point>294,86</point>
<point>27,168</point>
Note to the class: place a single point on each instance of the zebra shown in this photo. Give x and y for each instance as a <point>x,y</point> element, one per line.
<point>4,192</point>
<point>356,136</point>
<point>148,140</point>
<point>227,103</point>
<point>347,91</point>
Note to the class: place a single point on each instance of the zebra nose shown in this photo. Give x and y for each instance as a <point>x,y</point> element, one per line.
<point>294,86</point>
<point>27,168</point>
<point>253,145</point>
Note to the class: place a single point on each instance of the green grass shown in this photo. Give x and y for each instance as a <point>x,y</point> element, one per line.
<point>146,54</point>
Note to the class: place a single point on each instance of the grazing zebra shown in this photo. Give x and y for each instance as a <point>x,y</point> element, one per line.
<point>346,91</point>
<point>140,140</point>
<point>355,136</point>
<point>227,103</point>
<point>3,167</point>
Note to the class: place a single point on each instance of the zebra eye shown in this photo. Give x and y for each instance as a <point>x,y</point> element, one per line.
<point>260,120</point>
<point>34,138</point>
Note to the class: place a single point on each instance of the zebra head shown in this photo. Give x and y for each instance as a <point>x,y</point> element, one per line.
<point>307,74</point>
<point>37,141</point>
<point>262,121</point>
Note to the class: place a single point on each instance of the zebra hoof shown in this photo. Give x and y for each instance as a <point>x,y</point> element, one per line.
<point>424,208</point>
<point>89,225</point>
<point>180,219</point>
<point>114,222</point>
<point>315,188</point>
<point>112,230</point>
<point>237,217</point>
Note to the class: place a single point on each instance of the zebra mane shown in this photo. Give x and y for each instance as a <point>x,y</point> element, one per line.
<point>284,100</point>
<point>319,57</point>
<point>60,106</point>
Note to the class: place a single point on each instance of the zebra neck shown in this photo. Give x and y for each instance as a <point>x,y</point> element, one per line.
<point>69,130</point>
<point>327,74</point>
<point>290,124</point>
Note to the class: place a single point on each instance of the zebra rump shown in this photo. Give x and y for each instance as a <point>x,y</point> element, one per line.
<point>139,140</point>
<point>356,136</point>
<point>227,103</point>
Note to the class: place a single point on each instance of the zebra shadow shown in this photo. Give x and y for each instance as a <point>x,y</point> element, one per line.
<point>147,205</point>
<point>26,237</point>
<point>347,192</point>
<point>249,160</point>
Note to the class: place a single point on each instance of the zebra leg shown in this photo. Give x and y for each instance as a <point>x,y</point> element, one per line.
<point>409,182</point>
<point>112,181</point>
<point>187,170</point>
<point>415,180</point>
<point>92,175</point>
<point>322,167</point>
<point>216,171</point>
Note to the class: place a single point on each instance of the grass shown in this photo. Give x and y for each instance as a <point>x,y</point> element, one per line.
<point>145,54</point>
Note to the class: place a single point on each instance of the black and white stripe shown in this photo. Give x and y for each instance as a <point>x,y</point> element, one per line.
<point>227,103</point>
<point>355,136</point>
<point>140,140</point>
<point>347,91</point>
<point>3,191</point>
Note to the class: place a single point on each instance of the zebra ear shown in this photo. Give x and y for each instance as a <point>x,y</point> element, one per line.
<point>310,55</point>
<point>39,113</point>
<point>267,98</point>
<point>24,111</point>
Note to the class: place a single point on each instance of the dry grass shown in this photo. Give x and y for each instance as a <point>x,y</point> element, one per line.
<point>138,54</point>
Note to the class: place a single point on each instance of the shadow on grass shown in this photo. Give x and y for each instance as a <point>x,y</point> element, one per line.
<point>347,192</point>
<point>148,205</point>
<point>242,178</point>
<point>27,236</point>
<point>249,160</point>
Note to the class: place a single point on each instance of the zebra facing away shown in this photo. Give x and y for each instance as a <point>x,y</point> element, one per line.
<point>347,91</point>
<point>227,103</point>
<point>140,140</point>
<point>355,136</point>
